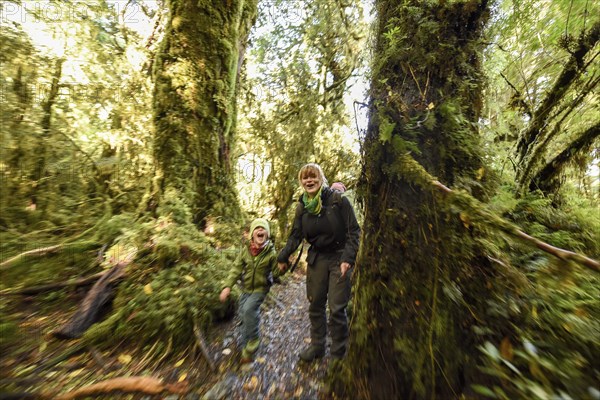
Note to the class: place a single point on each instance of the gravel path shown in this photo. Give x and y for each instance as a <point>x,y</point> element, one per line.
<point>276,373</point>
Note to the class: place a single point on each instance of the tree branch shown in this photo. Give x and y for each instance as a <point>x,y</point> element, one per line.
<point>571,71</point>
<point>466,202</point>
<point>202,344</point>
<point>532,160</point>
<point>35,252</point>
<point>519,95</point>
<point>583,141</point>
<point>42,251</point>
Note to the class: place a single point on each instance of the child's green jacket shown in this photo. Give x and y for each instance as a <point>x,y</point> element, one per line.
<point>256,272</point>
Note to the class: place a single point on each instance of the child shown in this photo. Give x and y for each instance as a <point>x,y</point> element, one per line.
<point>255,266</point>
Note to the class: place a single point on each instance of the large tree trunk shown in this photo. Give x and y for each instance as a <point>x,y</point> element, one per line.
<point>196,75</point>
<point>422,282</point>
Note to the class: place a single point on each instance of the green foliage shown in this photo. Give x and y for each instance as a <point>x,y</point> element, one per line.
<point>9,329</point>
<point>525,96</point>
<point>172,284</point>
<point>385,130</point>
<point>557,350</point>
<point>554,349</point>
<point>71,260</point>
<point>165,303</point>
<point>75,109</point>
<point>107,231</point>
<point>569,227</point>
<point>300,68</point>
<point>174,205</point>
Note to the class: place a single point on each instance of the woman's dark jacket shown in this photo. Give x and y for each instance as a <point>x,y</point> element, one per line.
<point>334,229</point>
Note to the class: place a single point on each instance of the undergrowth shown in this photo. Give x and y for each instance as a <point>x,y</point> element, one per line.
<point>555,352</point>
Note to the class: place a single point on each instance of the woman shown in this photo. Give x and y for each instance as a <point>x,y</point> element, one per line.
<point>327,221</point>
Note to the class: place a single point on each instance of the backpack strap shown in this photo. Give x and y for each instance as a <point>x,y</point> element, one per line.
<point>299,209</point>
<point>336,198</point>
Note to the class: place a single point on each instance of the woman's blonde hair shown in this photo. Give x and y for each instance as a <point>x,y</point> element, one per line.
<point>312,168</point>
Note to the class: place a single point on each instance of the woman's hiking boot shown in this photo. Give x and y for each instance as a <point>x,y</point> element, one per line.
<point>312,352</point>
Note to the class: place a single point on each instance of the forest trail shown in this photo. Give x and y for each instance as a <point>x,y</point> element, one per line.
<point>39,364</point>
<point>277,372</point>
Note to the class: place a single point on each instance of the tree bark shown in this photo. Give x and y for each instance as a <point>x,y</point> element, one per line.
<point>421,285</point>
<point>196,75</point>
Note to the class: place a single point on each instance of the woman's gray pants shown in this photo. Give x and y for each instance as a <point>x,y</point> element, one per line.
<point>324,284</point>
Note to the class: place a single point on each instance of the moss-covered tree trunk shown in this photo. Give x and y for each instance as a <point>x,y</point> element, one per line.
<point>172,270</point>
<point>196,78</point>
<point>422,281</point>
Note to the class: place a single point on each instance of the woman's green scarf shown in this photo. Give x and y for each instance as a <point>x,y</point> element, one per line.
<point>313,205</point>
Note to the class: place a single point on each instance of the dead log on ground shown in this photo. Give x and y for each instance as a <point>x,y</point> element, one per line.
<point>99,295</point>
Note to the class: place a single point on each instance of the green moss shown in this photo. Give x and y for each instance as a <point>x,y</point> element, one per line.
<point>196,75</point>
<point>9,334</point>
<point>169,287</point>
<point>421,277</point>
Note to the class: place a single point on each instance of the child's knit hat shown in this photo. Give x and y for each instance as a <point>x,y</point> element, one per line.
<point>263,223</point>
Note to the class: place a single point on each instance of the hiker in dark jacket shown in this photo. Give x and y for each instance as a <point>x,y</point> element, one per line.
<point>255,267</point>
<point>326,220</point>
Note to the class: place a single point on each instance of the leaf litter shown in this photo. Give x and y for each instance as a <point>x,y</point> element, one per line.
<point>276,373</point>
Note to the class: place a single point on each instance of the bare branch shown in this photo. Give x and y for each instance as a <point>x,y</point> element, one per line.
<point>203,347</point>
